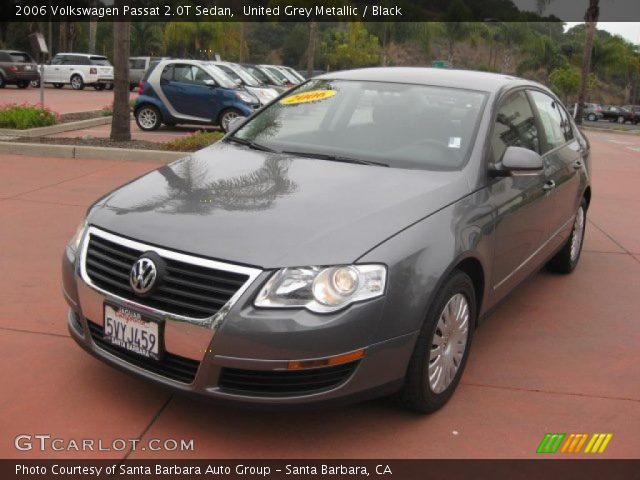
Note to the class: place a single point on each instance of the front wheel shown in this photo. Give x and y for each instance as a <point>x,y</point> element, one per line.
<point>148,118</point>
<point>109,86</point>
<point>227,116</point>
<point>442,348</point>
<point>566,260</point>
<point>591,117</point>
<point>77,83</point>
<point>35,83</point>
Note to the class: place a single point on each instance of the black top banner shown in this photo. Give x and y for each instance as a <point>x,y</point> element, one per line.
<point>319,10</point>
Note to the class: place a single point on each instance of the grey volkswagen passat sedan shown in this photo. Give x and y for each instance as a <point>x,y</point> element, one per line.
<point>342,243</point>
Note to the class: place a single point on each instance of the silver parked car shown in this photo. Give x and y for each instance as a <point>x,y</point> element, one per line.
<point>341,243</point>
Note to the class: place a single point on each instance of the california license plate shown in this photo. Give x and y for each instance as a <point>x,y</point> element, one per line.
<point>125,328</point>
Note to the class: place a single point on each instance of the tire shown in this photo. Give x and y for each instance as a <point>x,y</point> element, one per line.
<point>148,118</point>
<point>226,116</point>
<point>421,391</point>
<point>76,82</point>
<point>592,117</point>
<point>22,84</point>
<point>99,86</point>
<point>35,83</point>
<point>621,120</point>
<point>566,260</point>
<point>3,83</point>
<point>58,85</point>
<point>109,86</point>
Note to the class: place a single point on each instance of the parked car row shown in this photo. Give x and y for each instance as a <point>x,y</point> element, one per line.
<point>625,114</point>
<point>183,91</point>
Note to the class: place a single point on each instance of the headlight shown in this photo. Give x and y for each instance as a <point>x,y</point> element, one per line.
<point>322,289</point>
<point>245,97</point>
<point>76,240</point>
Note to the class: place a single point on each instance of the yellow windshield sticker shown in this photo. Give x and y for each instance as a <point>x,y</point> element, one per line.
<point>308,97</point>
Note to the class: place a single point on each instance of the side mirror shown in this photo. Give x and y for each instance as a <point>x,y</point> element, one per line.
<point>210,83</point>
<point>236,123</point>
<point>518,160</point>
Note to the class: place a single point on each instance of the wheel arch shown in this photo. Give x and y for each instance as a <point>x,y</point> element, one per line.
<point>587,195</point>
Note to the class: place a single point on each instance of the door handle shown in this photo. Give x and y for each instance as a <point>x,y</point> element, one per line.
<point>550,185</point>
<point>578,164</point>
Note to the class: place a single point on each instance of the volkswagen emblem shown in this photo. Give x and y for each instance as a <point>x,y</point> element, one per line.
<point>143,275</point>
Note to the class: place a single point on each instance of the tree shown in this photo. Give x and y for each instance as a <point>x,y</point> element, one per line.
<point>350,47</point>
<point>591,20</point>
<point>565,81</point>
<point>121,120</point>
<point>455,27</point>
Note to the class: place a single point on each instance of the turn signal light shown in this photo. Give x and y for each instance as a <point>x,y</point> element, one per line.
<point>326,362</point>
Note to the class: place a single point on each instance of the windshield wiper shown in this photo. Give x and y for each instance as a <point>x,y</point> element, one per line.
<point>247,143</point>
<point>335,158</point>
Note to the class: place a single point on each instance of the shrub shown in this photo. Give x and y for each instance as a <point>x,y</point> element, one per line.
<point>26,116</point>
<point>193,142</point>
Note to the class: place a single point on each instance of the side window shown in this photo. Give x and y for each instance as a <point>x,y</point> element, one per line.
<point>167,73</point>
<point>190,74</point>
<point>57,60</point>
<point>515,126</point>
<point>551,119</point>
<point>567,130</point>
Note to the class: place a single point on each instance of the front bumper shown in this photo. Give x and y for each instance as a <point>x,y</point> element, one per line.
<point>253,347</point>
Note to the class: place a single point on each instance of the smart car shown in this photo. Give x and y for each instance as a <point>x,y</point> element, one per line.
<point>191,92</point>
<point>342,243</point>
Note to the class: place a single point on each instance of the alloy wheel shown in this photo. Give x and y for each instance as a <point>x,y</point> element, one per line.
<point>147,118</point>
<point>577,235</point>
<point>449,343</point>
<point>227,118</point>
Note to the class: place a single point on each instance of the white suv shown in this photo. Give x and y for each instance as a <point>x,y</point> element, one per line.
<point>79,70</point>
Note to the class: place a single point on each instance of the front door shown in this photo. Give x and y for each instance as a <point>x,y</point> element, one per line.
<point>520,201</point>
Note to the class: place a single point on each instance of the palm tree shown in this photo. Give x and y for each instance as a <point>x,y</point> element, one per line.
<point>146,38</point>
<point>510,35</point>
<point>121,120</point>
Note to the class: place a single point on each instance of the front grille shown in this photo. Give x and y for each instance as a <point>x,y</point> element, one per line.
<point>284,382</point>
<point>171,366</point>
<point>186,289</point>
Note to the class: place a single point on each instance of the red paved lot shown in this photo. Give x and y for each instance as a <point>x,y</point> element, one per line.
<point>560,355</point>
<point>64,100</point>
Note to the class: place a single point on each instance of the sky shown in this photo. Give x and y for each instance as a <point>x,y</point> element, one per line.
<point>629,30</point>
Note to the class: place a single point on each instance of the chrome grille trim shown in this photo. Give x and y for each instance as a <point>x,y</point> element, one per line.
<point>211,322</point>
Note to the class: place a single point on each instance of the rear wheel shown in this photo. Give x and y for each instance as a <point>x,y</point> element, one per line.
<point>442,348</point>
<point>35,83</point>
<point>3,83</point>
<point>148,118</point>
<point>76,82</point>
<point>592,117</point>
<point>226,117</point>
<point>566,260</point>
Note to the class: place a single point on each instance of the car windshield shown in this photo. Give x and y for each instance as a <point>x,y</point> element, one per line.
<point>220,76</point>
<point>262,76</point>
<point>102,61</point>
<point>244,75</point>
<point>278,74</point>
<point>18,57</point>
<point>405,126</point>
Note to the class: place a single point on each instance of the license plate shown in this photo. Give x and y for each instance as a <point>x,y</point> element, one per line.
<point>125,328</point>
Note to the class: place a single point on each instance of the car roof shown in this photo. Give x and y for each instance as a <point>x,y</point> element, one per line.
<point>82,54</point>
<point>464,79</point>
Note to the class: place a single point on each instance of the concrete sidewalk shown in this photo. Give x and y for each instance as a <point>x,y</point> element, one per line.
<point>560,355</point>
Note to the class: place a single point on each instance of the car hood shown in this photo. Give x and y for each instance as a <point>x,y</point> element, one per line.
<point>270,210</point>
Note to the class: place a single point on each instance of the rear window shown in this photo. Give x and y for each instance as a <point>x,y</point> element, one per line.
<point>102,61</point>
<point>137,63</point>
<point>19,57</point>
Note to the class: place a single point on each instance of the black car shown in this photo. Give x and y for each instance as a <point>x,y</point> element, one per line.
<point>17,68</point>
<point>619,114</point>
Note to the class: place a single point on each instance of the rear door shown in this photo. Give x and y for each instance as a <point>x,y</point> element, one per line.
<point>520,201</point>
<point>562,159</point>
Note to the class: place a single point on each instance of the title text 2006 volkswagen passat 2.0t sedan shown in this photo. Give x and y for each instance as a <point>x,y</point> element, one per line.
<point>341,243</point>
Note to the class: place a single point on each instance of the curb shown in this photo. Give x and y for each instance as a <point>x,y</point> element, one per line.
<point>59,128</point>
<point>93,153</point>
<point>610,130</point>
